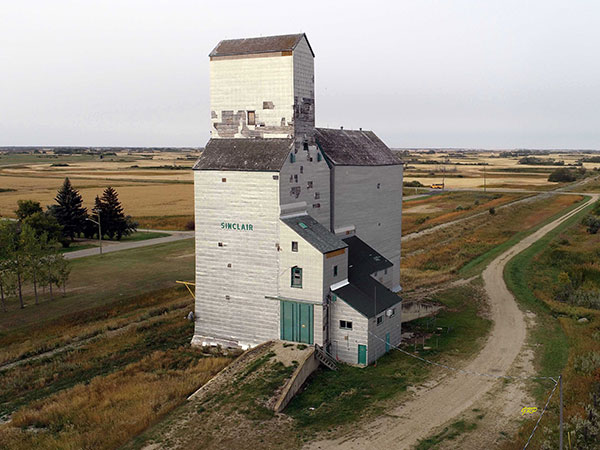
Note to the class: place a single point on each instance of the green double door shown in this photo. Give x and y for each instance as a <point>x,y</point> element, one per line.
<point>297,322</point>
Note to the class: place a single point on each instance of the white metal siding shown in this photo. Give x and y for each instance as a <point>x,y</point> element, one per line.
<point>249,198</point>
<point>344,343</point>
<point>392,325</point>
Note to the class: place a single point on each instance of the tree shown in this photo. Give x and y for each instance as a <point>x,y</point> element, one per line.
<point>7,279</point>
<point>114,222</point>
<point>69,210</point>
<point>592,223</point>
<point>13,255</point>
<point>45,223</point>
<point>562,175</point>
<point>26,208</point>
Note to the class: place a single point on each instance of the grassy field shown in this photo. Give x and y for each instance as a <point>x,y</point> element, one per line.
<point>423,213</point>
<point>95,367</point>
<point>564,343</point>
<point>448,251</point>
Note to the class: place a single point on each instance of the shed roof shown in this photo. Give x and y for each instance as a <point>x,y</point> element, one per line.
<point>364,259</point>
<point>267,155</point>
<point>267,44</point>
<point>314,233</point>
<point>354,148</point>
<point>363,292</point>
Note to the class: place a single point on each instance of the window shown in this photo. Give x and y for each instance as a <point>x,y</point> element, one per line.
<point>296,178</point>
<point>309,184</point>
<point>223,180</point>
<point>385,271</point>
<point>378,185</point>
<point>295,191</point>
<point>317,196</point>
<point>319,157</point>
<point>316,205</point>
<point>306,146</point>
<point>294,246</point>
<point>291,178</point>
<point>220,244</point>
<point>301,169</point>
<point>276,177</point>
<point>229,265</point>
<point>346,324</point>
<point>251,118</point>
<point>296,277</point>
<point>393,312</point>
<point>379,320</point>
<point>335,271</point>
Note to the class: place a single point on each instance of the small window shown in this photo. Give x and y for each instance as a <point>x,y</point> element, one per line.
<point>291,178</point>
<point>316,205</point>
<point>220,244</point>
<point>292,158</point>
<point>378,185</point>
<point>346,324</point>
<point>294,246</point>
<point>309,184</point>
<point>306,146</point>
<point>223,180</point>
<point>229,265</point>
<point>319,157</point>
<point>296,277</point>
<point>296,178</point>
<point>379,320</point>
<point>385,271</point>
<point>227,297</point>
<point>301,169</point>
<point>335,271</point>
<point>303,225</point>
<point>317,196</point>
<point>251,118</point>
<point>276,177</point>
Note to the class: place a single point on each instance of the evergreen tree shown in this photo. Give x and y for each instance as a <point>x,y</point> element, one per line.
<point>113,220</point>
<point>69,210</point>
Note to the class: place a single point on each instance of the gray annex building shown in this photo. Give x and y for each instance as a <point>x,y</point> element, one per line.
<point>298,228</point>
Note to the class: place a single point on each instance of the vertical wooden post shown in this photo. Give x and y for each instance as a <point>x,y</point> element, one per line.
<point>560,391</point>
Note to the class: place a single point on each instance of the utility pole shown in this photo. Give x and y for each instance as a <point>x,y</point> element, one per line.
<point>484,180</point>
<point>99,227</point>
<point>560,392</point>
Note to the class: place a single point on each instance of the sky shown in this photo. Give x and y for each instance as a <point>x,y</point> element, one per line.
<point>421,73</point>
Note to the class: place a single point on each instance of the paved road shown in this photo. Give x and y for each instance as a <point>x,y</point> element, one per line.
<point>109,246</point>
<point>453,393</point>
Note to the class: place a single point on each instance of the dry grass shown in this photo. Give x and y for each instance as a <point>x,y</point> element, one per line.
<point>180,222</point>
<point>110,410</point>
<point>437,257</point>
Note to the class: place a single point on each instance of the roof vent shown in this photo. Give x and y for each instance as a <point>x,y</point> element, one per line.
<point>341,128</point>
<point>303,225</point>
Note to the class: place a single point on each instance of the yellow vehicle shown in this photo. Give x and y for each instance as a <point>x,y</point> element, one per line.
<point>437,186</point>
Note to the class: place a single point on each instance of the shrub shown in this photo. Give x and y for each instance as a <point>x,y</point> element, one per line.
<point>414,183</point>
<point>492,211</point>
<point>592,223</point>
<point>562,176</point>
<point>190,225</point>
<point>588,363</point>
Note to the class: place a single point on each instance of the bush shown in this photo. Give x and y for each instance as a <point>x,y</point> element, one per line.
<point>191,225</point>
<point>592,223</point>
<point>414,183</point>
<point>492,211</point>
<point>562,176</point>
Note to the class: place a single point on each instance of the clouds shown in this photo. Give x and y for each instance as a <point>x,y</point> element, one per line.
<point>419,73</point>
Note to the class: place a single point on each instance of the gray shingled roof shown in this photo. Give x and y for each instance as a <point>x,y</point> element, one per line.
<point>316,234</point>
<point>265,44</point>
<point>364,293</point>
<point>267,155</point>
<point>354,148</point>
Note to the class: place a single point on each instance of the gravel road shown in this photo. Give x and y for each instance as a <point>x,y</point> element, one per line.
<point>451,394</point>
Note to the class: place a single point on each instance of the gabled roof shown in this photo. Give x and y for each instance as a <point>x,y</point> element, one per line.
<point>314,233</point>
<point>363,292</point>
<point>267,44</point>
<point>267,155</point>
<point>363,259</point>
<point>354,148</point>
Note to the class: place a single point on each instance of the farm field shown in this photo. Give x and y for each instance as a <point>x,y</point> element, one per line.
<point>423,213</point>
<point>438,257</point>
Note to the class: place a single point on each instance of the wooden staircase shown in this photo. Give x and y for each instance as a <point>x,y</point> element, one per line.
<point>325,358</point>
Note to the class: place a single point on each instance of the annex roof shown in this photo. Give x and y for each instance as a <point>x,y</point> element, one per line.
<point>354,148</point>
<point>267,44</point>
<point>364,259</point>
<point>314,233</point>
<point>266,155</point>
<point>363,292</point>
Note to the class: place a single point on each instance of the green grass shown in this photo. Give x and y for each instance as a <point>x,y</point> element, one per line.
<point>344,396</point>
<point>478,264</point>
<point>448,433</point>
<point>548,336</point>
<point>74,248</point>
<point>10,159</point>
<point>143,235</point>
<point>99,280</point>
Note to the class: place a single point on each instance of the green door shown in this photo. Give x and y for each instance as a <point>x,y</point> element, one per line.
<point>387,342</point>
<point>362,354</point>
<point>296,322</point>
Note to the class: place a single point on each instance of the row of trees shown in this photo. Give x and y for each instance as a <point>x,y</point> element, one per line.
<point>26,256</point>
<point>68,218</point>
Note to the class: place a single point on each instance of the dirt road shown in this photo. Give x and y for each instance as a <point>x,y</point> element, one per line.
<point>451,393</point>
